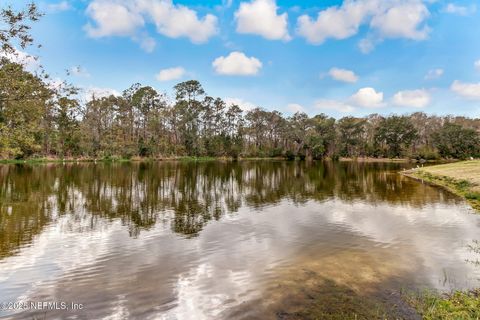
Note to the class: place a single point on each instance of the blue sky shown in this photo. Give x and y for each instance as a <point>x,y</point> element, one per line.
<point>336,57</point>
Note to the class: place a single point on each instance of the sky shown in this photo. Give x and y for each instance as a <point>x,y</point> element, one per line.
<point>353,57</point>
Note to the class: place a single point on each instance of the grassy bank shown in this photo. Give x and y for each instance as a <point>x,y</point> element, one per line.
<point>461,178</point>
<point>457,305</point>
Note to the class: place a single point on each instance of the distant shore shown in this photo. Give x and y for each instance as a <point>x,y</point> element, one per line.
<point>190,158</point>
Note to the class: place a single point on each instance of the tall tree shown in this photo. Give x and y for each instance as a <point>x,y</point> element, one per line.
<point>455,141</point>
<point>396,133</point>
<point>23,101</point>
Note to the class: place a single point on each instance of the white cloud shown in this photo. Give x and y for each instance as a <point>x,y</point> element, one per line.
<point>112,18</point>
<point>237,63</point>
<point>260,17</point>
<point>61,6</point>
<point>28,61</point>
<point>390,19</point>
<point>242,104</point>
<point>333,105</point>
<point>124,18</point>
<point>476,64</point>
<point>412,98</point>
<point>295,107</point>
<point>334,22</point>
<point>176,21</point>
<point>170,74</point>
<point>466,90</point>
<point>460,10</point>
<point>343,75</point>
<point>98,93</point>
<point>368,98</point>
<point>434,74</point>
<point>403,20</point>
<point>79,72</point>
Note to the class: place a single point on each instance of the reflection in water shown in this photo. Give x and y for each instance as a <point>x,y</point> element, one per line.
<point>134,239</point>
<point>140,194</point>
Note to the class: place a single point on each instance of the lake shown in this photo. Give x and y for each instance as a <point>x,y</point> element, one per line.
<point>226,240</point>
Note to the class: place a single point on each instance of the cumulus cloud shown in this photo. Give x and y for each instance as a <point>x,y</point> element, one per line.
<point>434,74</point>
<point>403,20</point>
<point>334,22</point>
<point>466,90</point>
<point>260,17</point>
<point>237,63</point>
<point>368,98</point>
<point>125,18</point>
<point>460,10</point>
<point>112,18</point>
<point>412,98</point>
<point>333,105</point>
<point>343,75</point>
<point>176,21</point>
<point>170,74</point>
<point>389,19</point>
<point>242,104</point>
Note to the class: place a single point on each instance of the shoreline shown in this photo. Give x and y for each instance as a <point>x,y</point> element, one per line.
<point>460,178</point>
<point>190,158</point>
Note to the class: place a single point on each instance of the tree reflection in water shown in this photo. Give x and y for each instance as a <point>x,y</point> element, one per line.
<point>185,194</point>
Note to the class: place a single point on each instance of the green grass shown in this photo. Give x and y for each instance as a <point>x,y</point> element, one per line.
<point>458,305</point>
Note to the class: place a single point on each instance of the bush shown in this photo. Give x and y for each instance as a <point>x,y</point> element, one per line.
<point>473,196</point>
<point>289,155</point>
<point>276,152</point>
<point>426,154</point>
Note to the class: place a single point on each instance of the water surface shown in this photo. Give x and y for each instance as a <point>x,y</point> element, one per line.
<point>224,240</point>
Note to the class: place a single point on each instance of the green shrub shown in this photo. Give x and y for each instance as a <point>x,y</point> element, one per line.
<point>473,196</point>
<point>289,155</point>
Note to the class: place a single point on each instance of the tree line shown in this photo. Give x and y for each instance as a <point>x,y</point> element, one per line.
<point>40,119</point>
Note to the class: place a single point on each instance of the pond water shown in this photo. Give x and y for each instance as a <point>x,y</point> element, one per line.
<point>226,240</point>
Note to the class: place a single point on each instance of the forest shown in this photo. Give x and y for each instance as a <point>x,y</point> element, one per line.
<point>40,119</point>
